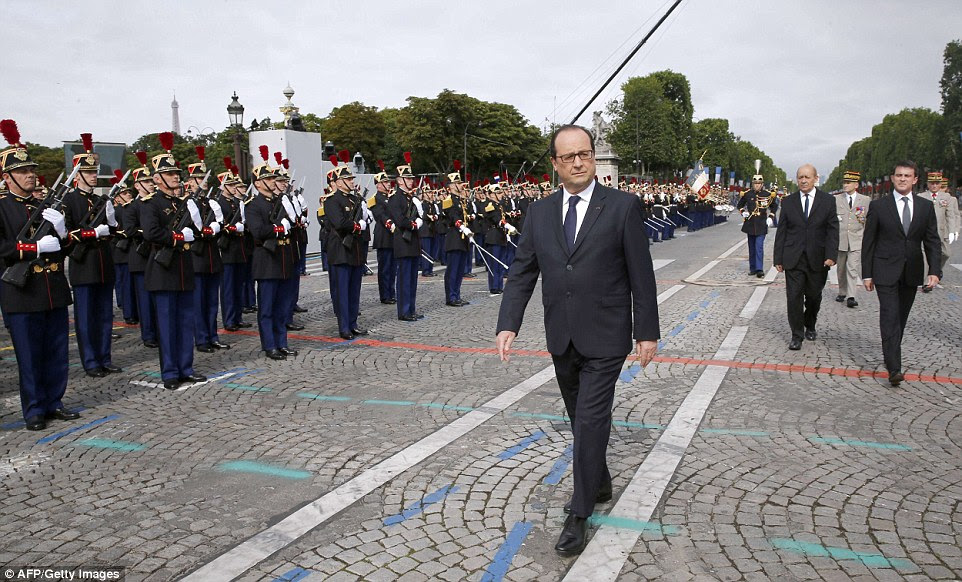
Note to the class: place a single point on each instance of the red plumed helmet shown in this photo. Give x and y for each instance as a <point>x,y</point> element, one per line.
<point>200,152</point>
<point>277,157</point>
<point>8,128</point>
<point>235,170</point>
<point>42,180</point>
<point>141,157</point>
<point>265,152</point>
<point>286,163</point>
<point>457,165</point>
<point>546,178</point>
<point>407,157</point>
<point>380,164</point>
<point>228,163</point>
<point>114,181</point>
<point>334,160</point>
<point>166,140</point>
<point>118,174</point>
<point>345,156</point>
<point>88,141</point>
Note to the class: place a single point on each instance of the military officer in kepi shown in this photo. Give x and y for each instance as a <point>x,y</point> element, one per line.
<point>755,206</point>
<point>852,208</point>
<point>35,307</point>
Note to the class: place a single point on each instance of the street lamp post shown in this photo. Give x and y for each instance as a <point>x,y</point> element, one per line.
<point>235,112</point>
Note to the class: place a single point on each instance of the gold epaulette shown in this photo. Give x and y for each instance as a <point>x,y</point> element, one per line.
<point>489,207</point>
<point>146,197</point>
<point>372,202</point>
<point>447,203</point>
<point>320,211</point>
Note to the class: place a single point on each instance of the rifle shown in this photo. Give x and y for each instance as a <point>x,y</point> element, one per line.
<point>16,274</point>
<point>205,219</point>
<point>348,239</point>
<point>223,242</point>
<point>94,216</point>
<point>165,256</point>
<point>411,213</point>
<point>271,243</point>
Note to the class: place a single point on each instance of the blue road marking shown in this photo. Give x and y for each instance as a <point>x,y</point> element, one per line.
<point>55,436</point>
<point>502,560</point>
<point>21,424</point>
<point>522,445</point>
<point>293,575</point>
<point>418,506</point>
<point>560,466</point>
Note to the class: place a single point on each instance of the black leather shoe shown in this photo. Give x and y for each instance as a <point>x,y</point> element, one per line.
<point>231,328</point>
<point>131,321</point>
<point>294,327</point>
<point>62,414</point>
<point>346,335</point>
<point>193,378</point>
<point>252,309</point>
<point>299,309</point>
<point>171,384</point>
<point>244,325</point>
<point>574,536</point>
<point>359,331</point>
<point>795,345</point>
<point>470,276</point>
<point>407,318</point>
<point>35,423</point>
<point>760,274</point>
<point>839,298</point>
<point>427,274</point>
<point>389,301</point>
<point>926,289</point>
<point>276,355</point>
<point>896,378</point>
<point>463,302</point>
<point>206,348</point>
<point>96,373</point>
<point>497,292</point>
<point>603,497</point>
<point>851,302</point>
<point>115,335</point>
<point>111,369</point>
<point>454,304</point>
<point>219,346</point>
<point>287,352</point>
<point>418,315</point>
<point>151,344</point>
<point>811,334</point>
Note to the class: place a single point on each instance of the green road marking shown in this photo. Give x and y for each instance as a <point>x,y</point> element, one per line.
<point>632,524</point>
<point>389,402</point>
<point>109,444</point>
<point>263,469</point>
<point>322,397</point>
<point>446,406</point>
<point>245,387</point>
<point>852,443</point>
<point>735,431</point>
<point>871,560</point>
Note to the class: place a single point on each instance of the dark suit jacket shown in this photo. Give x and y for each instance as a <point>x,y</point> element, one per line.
<point>817,237</point>
<point>888,254</point>
<point>598,297</point>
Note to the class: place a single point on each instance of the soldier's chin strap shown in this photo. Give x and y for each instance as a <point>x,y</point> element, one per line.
<point>83,178</point>
<point>13,179</point>
<point>169,187</point>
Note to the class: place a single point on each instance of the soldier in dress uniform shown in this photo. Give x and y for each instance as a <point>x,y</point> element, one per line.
<point>140,249</point>
<point>495,239</point>
<point>233,251</point>
<point>946,214</point>
<point>384,238</point>
<point>407,243</point>
<point>35,311</point>
<point>298,233</point>
<point>90,221</point>
<point>428,230</point>
<point>344,211</point>
<point>756,223</point>
<point>268,219</point>
<point>208,265</point>
<point>852,208</point>
<point>123,285</point>
<point>457,242</point>
<point>171,222</point>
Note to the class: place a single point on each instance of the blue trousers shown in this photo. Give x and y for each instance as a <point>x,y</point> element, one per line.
<point>440,253</point>
<point>496,274</point>
<point>302,263</point>
<point>407,285</point>
<point>346,286</point>
<point>478,261</point>
<point>273,298</point>
<point>468,258</point>
<point>454,275</point>
<point>428,246</point>
<point>93,315</point>
<point>756,252</point>
<point>250,294</point>
<point>293,295</point>
<point>40,344</point>
<point>206,288</point>
<point>175,332</point>
<point>386,274</point>
<point>126,295</point>
<point>145,308</point>
<point>231,293</point>
<point>509,250</point>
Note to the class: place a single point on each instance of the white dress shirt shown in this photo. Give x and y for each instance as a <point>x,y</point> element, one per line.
<point>581,209</point>
<point>899,205</point>
<point>811,200</point>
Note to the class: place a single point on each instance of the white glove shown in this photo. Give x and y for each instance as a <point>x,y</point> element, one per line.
<point>215,226</point>
<point>510,228</point>
<point>111,214</point>
<point>466,231</point>
<point>288,207</point>
<point>243,207</point>
<point>48,244</point>
<point>367,214</point>
<point>194,214</point>
<point>770,222</point>
<point>239,227</point>
<point>297,206</point>
<point>953,236</point>
<point>301,201</point>
<point>418,222</point>
<point>56,220</point>
<point>745,214</point>
<point>286,224</point>
<point>362,223</point>
<point>102,230</point>
<point>419,206</point>
<point>218,212</point>
<point>188,234</point>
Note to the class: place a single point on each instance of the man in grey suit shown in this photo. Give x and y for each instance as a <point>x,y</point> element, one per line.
<point>851,208</point>
<point>588,243</point>
<point>806,247</point>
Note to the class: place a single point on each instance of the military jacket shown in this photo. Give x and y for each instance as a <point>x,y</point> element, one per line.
<point>340,209</point>
<point>756,225</point>
<point>267,264</point>
<point>159,216</point>
<point>453,219</point>
<point>383,237</point>
<point>139,249</point>
<point>494,233</point>
<point>97,264</point>
<point>233,250</point>
<point>403,212</point>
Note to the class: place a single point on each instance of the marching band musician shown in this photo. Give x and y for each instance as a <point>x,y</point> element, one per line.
<point>756,223</point>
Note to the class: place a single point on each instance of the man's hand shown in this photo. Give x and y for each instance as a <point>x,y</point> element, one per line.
<point>645,350</point>
<point>933,281</point>
<point>829,263</point>
<point>869,285</point>
<point>779,268</point>
<point>504,341</point>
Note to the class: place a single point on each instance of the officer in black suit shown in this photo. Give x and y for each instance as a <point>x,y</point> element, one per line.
<point>233,251</point>
<point>91,265</point>
<point>384,239</point>
<point>407,243</point>
<point>36,313</point>
<point>897,229</point>
<point>140,250</point>
<point>344,212</point>
<point>806,247</point>
<point>588,244</point>
<point>169,274</point>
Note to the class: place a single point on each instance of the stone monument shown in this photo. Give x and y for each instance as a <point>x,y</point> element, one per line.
<point>606,160</point>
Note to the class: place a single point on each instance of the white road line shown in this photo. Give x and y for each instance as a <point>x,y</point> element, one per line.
<point>221,376</point>
<point>664,295</point>
<point>957,266</point>
<point>659,263</point>
<point>703,270</point>
<point>734,248</point>
<point>758,295</point>
<point>258,548</point>
<point>608,550</point>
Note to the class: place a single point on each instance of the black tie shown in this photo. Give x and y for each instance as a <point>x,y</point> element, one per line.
<point>850,198</point>
<point>806,207</point>
<point>906,218</point>
<point>571,222</point>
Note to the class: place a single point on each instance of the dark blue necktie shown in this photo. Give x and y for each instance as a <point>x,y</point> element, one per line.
<point>806,207</point>
<point>571,222</point>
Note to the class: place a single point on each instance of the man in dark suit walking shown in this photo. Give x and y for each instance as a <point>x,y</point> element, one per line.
<point>588,243</point>
<point>806,247</point>
<point>897,228</point>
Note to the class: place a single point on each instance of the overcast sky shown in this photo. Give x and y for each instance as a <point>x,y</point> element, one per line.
<point>801,80</point>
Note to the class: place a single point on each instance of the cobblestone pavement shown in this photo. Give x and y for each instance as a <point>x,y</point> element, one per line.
<point>413,454</point>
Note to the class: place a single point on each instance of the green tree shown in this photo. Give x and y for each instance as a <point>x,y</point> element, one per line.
<point>357,128</point>
<point>50,161</point>
<point>951,90</point>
